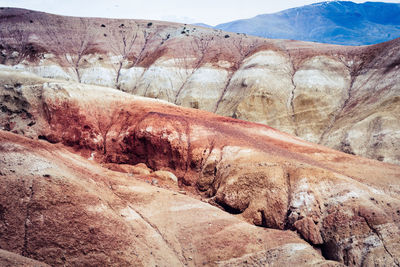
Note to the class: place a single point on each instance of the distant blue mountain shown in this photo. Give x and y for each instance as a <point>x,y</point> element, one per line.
<point>334,22</point>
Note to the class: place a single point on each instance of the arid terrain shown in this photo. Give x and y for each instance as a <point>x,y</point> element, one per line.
<point>55,191</point>
<point>93,174</point>
<point>346,98</point>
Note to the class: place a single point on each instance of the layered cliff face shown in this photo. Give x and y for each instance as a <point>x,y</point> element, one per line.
<point>344,205</point>
<point>342,97</point>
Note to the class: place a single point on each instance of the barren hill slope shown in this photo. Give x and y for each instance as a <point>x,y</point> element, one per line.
<point>342,97</point>
<point>344,205</point>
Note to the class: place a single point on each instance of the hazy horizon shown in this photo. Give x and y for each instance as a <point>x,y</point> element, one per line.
<point>207,11</point>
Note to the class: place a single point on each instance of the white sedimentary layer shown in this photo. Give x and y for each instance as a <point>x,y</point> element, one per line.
<point>306,99</point>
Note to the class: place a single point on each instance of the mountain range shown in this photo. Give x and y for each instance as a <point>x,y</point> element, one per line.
<point>333,22</point>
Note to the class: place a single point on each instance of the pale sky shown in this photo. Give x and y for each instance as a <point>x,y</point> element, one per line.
<point>211,12</point>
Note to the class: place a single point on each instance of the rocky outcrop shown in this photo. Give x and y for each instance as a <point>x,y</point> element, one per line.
<point>342,97</point>
<point>346,205</point>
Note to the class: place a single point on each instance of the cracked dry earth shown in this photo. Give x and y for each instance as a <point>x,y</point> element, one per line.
<point>246,194</point>
<point>346,98</point>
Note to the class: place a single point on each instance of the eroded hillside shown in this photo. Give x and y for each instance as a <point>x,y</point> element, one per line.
<point>347,207</point>
<point>65,210</point>
<point>344,97</point>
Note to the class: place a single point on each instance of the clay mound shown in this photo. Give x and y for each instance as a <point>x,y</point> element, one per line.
<point>62,209</point>
<point>342,97</point>
<point>346,205</point>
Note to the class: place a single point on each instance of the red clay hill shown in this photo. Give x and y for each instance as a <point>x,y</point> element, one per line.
<point>61,207</point>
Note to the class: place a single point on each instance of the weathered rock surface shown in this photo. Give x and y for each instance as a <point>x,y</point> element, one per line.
<point>342,97</point>
<point>138,169</point>
<point>347,205</point>
<point>165,176</point>
<point>62,209</point>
